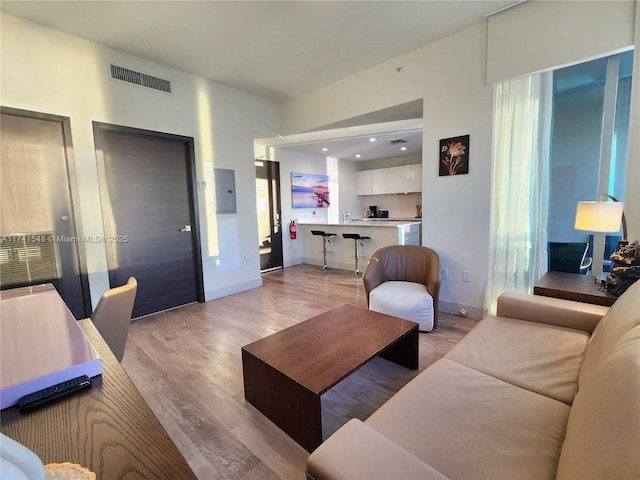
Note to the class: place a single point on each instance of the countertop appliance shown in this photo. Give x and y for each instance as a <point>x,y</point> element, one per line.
<point>373,211</point>
<point>383,213</point>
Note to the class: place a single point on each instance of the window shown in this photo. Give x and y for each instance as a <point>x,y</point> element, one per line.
<point>589,139</point>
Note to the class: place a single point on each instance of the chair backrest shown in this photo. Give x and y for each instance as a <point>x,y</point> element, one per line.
<point>610,245</point>
<point>112,316</point>
<point>409,263</point>
<point>567,256</point>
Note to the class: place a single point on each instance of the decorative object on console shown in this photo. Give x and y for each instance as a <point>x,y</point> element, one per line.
<point>454,155</point>
<point>627,269</point>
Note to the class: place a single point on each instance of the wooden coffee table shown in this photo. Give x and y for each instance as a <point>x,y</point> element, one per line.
<point>285,373</point>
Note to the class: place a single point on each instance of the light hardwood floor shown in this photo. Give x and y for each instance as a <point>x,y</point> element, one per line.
<point>187,365</point>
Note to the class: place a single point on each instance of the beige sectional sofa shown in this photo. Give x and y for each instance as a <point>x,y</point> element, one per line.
<point>547,389</point>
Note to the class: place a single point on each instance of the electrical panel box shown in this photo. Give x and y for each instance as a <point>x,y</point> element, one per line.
<point>225,180</point>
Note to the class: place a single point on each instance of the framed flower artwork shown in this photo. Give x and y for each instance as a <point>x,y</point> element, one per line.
<point>454,156</point>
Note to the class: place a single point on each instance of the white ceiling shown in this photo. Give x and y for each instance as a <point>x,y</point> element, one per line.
<point>275,49</point>
<point>358,142</point>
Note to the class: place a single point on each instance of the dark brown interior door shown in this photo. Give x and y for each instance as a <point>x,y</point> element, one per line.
<point>148,206</point>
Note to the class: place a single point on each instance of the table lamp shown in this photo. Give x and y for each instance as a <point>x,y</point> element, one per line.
<point>602,216</point>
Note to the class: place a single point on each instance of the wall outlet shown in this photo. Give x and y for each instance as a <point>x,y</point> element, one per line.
<point>466,276</point>
<point>444,273</point>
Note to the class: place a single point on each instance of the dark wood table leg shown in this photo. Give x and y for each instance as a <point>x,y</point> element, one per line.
<point>405,351</point>
<point>292,407</point>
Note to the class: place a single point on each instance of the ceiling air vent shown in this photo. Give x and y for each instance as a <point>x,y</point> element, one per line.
<point>142,79</point>
<point>396,142</point>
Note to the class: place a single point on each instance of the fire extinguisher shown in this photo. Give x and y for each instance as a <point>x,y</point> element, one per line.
<point>293,229</point>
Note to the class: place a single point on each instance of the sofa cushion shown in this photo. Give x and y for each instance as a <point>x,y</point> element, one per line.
<point>407,300</point>
<point>542,358</point>
<point>603,432</point>
<point>467,424</point>
<point>358,451</point>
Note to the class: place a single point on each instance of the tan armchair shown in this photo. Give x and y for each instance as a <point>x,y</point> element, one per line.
<point>404,263</point>
<point>112,316</point>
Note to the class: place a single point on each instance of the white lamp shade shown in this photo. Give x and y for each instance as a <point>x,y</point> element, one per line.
<point>599,216</point>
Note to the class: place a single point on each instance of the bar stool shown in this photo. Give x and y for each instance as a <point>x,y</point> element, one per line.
<point>326,238</point>
<point>357,239</point>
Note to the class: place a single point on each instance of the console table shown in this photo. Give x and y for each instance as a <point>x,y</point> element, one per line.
<point>573,286</point>
<point>108,428</point>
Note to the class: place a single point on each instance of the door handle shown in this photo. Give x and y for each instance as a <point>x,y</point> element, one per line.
<point>186,228</point>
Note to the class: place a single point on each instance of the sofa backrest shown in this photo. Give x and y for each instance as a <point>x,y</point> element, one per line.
<point>603,432</point>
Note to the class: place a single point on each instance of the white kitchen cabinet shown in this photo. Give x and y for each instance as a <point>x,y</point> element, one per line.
<point>415,177</point>
<point>397,179</point>
<point>379,181</point>
<point>364,182</point>
<point>402,179</point>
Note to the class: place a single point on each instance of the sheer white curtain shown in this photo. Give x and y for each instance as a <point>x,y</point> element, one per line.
<point>520,185</point>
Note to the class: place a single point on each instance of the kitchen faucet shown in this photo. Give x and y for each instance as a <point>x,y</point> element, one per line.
<point>345,217</point>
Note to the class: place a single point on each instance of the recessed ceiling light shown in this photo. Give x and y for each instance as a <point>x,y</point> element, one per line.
<point>358,156</point>
<point>372,139</point>
<point>324,149</point>
<point>403,148</point>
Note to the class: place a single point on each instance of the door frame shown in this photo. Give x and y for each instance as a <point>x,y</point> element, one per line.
<point>273,214</point>
<point>74,194</point>
<point>192,180</point>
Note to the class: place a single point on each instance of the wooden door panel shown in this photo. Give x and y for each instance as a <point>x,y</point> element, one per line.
<point>37,223</point>
<point>146,207</point>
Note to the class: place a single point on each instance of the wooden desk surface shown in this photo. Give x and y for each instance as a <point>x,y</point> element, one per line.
<point>108,428</point>
<point>572,286</point>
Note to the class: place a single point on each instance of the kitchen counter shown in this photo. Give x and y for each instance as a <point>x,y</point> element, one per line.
<point>383,232</point>
<point>370,222</point>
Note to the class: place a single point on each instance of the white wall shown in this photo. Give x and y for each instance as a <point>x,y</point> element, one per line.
<point>348,180</point>
<point>450,77</point>
<point>45,70</point>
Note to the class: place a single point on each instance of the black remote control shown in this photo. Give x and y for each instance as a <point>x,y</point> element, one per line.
<point>53,392</point>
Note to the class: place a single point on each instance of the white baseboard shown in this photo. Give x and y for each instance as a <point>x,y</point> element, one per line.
<point>452,308</point>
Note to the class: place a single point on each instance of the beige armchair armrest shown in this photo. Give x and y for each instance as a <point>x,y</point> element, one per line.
<point>357,451</point>
<point>553,311</point>
<point>373,276</point>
